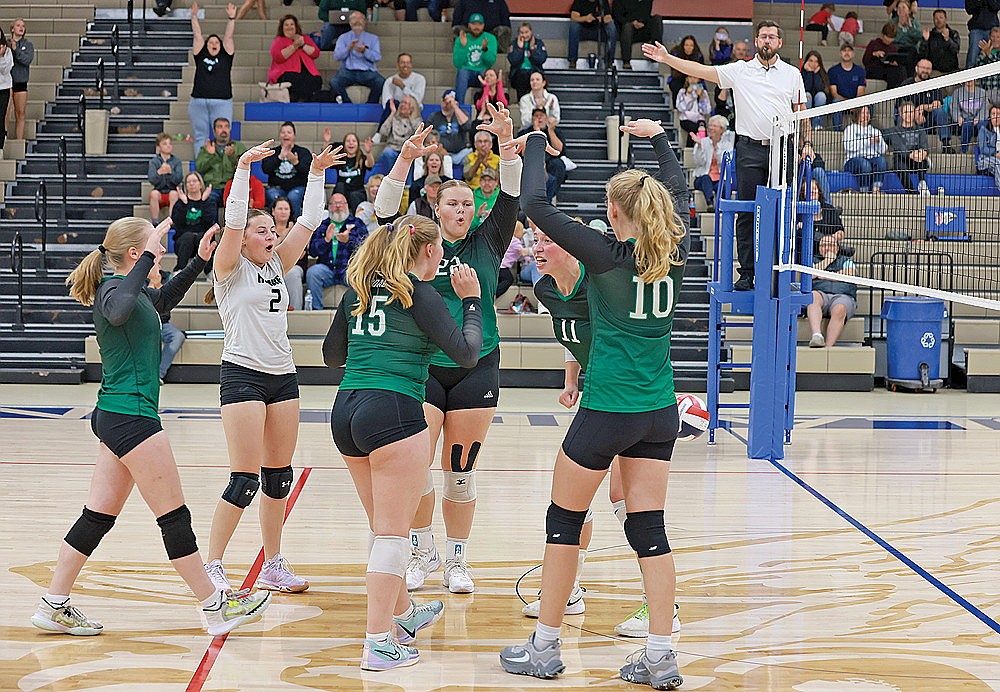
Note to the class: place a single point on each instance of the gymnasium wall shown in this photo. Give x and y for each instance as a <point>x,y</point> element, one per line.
<point>669,9</point>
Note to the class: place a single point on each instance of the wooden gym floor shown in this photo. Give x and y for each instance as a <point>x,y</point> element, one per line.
<point>868,560</point>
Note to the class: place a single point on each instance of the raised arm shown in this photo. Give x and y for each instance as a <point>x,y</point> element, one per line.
<point>167,297</point>
<point>390,192</point>
<point>669,172</point>
<point>199,41</point>
<point>335,343</point>
<point>228,254</point>
<point>463,345</point>
<point>228,42</point>
<point>290,249</point>
<point>657,51</point>
<point>116,300</point>
<point>498,228</point>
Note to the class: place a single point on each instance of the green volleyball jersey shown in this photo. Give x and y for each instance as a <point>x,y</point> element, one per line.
<point>570,314</point>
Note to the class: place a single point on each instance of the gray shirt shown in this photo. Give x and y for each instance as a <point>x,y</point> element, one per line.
<point>24,53</point>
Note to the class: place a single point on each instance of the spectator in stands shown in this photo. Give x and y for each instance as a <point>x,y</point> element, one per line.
<point>720,50</point>
<point>165,174</point>
<point>930,106</point>
<point>982,18</point>
<point>827,220</point>
<point>398,7</point>
<point>817,84</point>
<point>293,60</point>
<point>909,149</point>
<point>22,53</point>
<point>366,210</point>
<point>260,5</point>
<point>351,174</point>
<point>193,214</point>
<point>864,147</point>
<point>969,107</point>
<point>590,20</point>
<point>941,44</point>
<point>555,167</point>
<point>708,153</point>
<point>818,165</point>
<point>212,93</point>
<point>849,29</point>
<point>909,34</point>
<point>332,244</point>
<point>846,80</point>
<point>482,157</point>
<point>172,337</point>
<point>519,249</point>
<point>485,195</point>
<point>405,82</point>
<point>831,298</point>
<point>636,23</point>
<point>425,201</point>
<point>334,30</point>
<point>989,153</point>
<point>527,55</point>
<point>452,124</point>
<point>693,109</point>
<point>358,52</point>
<point>741,51</point>
<point>989,52</point>
<point>438,160</point>
<point>288,170</point>
<point>434,8</point>
<point>491,92</point>
<point>217,160</point>
<point>687,49</point>
<point>495,16</point>
<point>821,22</point>
<point>258,197</point>
<point>398,128</point>
<point>539,97</point>
<point>281,212</point>
<point>6,64</point>
<point>882,59</point>
<point>473,52</point>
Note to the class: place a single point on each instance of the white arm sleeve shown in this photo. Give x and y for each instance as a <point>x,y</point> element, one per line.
<point>510,177</point>
<point>390,194</point>
<point>312,202</point>
<point>238,202</point>
<point>569,356</point>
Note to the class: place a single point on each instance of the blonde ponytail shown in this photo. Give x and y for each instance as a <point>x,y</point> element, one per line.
<point>122,235</point>
<point>659,230</point>
<point>388,254</point>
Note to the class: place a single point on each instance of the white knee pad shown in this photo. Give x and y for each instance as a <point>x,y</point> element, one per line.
<point>428,484</point>
<point>589,517</point>
<point>460,486</point>
<point>619,511</point>
<point>389,555</point>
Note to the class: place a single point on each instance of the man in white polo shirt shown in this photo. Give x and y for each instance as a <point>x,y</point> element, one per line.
<point>764,88</point>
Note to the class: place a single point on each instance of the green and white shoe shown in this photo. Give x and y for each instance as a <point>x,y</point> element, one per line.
<point>238,608</point>
<point>64,618</point>
<point>637,624</point>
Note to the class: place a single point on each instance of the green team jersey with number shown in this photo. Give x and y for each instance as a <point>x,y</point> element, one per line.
<point>570,314</point>
<point>389,347</point>
<point>629,369</point>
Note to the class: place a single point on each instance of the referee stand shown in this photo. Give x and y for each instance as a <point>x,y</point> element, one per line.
<point>775,305</point>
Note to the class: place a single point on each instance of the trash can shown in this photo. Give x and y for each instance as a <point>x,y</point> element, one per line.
<point>611,126</point>
<point>913,342</point>
<point>96,143</point>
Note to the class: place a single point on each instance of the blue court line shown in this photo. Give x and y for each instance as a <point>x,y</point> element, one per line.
<point>927,576</point>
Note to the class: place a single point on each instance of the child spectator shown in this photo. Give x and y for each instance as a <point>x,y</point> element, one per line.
<point>821,22</point>
<point>693,108</point>
<point>849,29</point>
<point>351,174</point>
<point>165,174</point>
<point>491,92</point>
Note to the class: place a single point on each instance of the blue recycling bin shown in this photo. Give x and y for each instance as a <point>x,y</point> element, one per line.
<point>913,341</point>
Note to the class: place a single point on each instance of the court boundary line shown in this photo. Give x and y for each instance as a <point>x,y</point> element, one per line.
<point>885,545</point>
<point>204,669</point>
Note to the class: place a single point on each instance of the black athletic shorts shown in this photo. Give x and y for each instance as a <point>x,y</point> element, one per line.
<point>19,87</point>
<point>364,420</point>
<point>122,432</point>
<point>596,437</point>
<point>454,389</point>
<point>239,384</point>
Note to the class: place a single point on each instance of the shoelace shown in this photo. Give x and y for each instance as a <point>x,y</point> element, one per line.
<point>635,656</point>
<point>72,612</point>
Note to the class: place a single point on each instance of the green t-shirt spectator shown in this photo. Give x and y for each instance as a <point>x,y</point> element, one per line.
<point>473,56</point>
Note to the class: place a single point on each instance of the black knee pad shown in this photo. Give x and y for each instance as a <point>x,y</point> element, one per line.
<point>276,483</point>
<point>178,536</point>
<point>89,529</point>
<point>646,533</point>
<point>563,526</point>
<point>241,489</point>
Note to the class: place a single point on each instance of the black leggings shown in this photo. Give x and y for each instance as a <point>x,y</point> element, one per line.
<point>4,101</point>
<point>304,85</point>
<point>823,29</point>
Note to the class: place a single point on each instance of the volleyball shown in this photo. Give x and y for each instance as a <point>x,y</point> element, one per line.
<point>694,417</point>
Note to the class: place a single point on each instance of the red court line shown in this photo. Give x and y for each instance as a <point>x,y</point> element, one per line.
<point>208,660</point>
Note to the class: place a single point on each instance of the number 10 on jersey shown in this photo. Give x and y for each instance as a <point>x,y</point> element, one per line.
<point>662,298</point>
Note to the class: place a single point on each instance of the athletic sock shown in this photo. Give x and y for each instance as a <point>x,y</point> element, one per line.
<point>379,638</point>
<point>406,613</point>
<point>580,559</point>
<point>422,538</point>
<point>657,645</point>
<point>56,600</point>
<point>214,602</point>
<point>456,549</point>
<point>545,634</point>
<point>620,511</point>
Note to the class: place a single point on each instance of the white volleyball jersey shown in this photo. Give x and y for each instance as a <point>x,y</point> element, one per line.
<point>253,303</point>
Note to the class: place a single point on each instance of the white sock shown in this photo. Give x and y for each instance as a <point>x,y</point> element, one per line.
<point>56,600</point>
<point>580,559</point>
<point>619,511</point>
<point>422,538</point>
<point>380,638</point>
<point>406,613</point>
<point>214,602</point>
<point>545,634</point>
<point>456,549</point>
<point>657,645</point>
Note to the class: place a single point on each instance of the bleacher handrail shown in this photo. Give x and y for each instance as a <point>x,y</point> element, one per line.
<point>17,265</point>
<point>63,167</point>
<point>42,217</point>
<point>81,125</point>
<point>100,82</point>
<point>114,53</point>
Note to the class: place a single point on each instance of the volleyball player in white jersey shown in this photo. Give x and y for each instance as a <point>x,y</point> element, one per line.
<point>258,385</point>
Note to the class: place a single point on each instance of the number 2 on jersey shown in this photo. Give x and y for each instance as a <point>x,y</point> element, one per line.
<point>276,301</point>
<point>662,298</point>
<point>375,318</point>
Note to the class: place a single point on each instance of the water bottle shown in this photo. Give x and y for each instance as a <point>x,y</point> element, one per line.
<point>941,191</point>
<point>691,208</point>
<point>308,302</point>
<point>375,13</point>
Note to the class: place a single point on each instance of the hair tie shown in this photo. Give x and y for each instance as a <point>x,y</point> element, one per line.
<point>413,229</point>
<point>642,180</point>
<point>102,249</point>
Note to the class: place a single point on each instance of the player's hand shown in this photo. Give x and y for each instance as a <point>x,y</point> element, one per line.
<point>207,245</point>
<point>154,240</point>
<point>465,282</point>
<point>643,127</point>
<point>413,148</point>
<point>569,396</point>
<point>327,158</point>
<point>258,152</point>
<point>655,51</point>
<point>517,145</point>
<point>500,123</point>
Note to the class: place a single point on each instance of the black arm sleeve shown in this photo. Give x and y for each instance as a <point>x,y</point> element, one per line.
<point>335,343</point>
<point>116,299</point>
<point>498,228</point>
<point>431,314</point>
<point>167,297</point>
<point>671,174</point>
<point>597,252</point>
